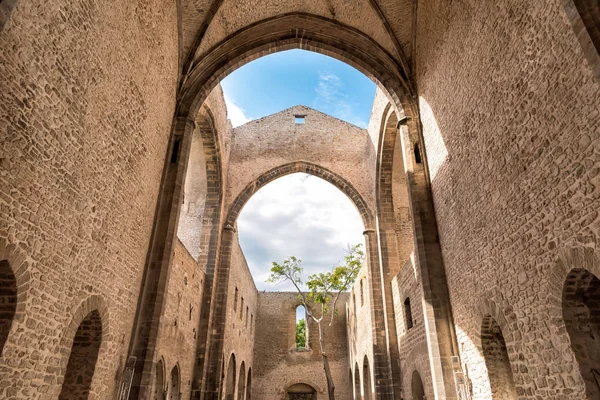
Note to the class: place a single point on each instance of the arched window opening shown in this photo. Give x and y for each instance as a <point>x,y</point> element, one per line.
<point>356,382</point>
<point>581,313</point>
<point>8,301</point>
<point>300,391</point>
<point>242,382</point>
<point>408,314</point>
<point>249,385</point>
<point>362,293</point>
<point>496,360</point>
<point>159,381</point>
<point>589,11</point>
<point>235,300</point>
<point>242,309</point>
<point>416,386</point>
<point>230,379</point>
<point>82,361</point>
<point>301,328</point>
<point>366,380</point>
<point>175,391</point>
<point>417,154</point>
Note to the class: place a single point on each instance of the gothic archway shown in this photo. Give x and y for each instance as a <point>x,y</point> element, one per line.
<point>497,362</point>
<point>230,379</point>
<point>581,314</point>
<point>416,384</point>
<point>82,360</point>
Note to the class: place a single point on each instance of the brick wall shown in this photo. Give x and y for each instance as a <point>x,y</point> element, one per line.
<point>85,118</point>
<point>278,364</point>
<point>509,106</point>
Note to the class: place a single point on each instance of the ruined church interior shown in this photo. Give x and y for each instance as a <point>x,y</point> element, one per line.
<point>475,181</point>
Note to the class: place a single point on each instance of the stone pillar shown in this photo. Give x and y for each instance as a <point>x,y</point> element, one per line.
<point>384,385</point>
<point>439,325</point>
<point>160,256</point>
<point>213,358</point>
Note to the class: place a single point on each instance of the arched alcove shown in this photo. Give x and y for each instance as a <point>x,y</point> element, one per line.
<point>82,360</point>
<point>497,362</point>
<point>242,382</point>
<point>581,313</point>
<point>249,385</point>
<point>175,389</point>
<point>300,391</point>
<point>356,382</point>
<point>230,379</point>
<point>367,386</point>
<point>408,319</point>
<point>416,385</point>
<point>159,381</point>
<point>8,301</point>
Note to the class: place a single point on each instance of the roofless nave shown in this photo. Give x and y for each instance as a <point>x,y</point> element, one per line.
<point>477,181</point>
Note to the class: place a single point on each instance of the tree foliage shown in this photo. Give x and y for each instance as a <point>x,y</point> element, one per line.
<point>301,334</point>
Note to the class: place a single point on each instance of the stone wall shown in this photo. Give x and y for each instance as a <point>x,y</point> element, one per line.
<point>85,118</point>
<point>277,140</point>
<point>278,364</point>
<point>241,315</point>
<point>178,331</point>
<point>513,143</point>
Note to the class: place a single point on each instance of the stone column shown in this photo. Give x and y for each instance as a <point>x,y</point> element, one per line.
<point>439,325</point>
<point>384,385</point>
<point>160,256</point>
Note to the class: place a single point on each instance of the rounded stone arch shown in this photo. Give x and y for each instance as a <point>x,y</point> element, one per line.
<point>308,168</point>
<point>230,379</point>
<point>494,340</point>
<point>570,262</point>
<point>357,382</point>
<point>367,379</point>
<point>90,306</point>
<point>306,381</point>
<point>175,383</point>
<point>16,275</point>
<point>417,359</point>
<point>249,384</point>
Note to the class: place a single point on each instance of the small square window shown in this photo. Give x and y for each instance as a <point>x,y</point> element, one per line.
<point>299,119</point>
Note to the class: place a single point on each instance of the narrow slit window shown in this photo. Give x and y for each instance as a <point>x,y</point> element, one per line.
<point>299,119</point>
<point>246,323</point>
<point>251,322</point>
<point>300,327</point>
<point>362,295</point>
<point>175,153</point>
<point>242,309</point>
<point>417,154</point>
<point>408,314</point>
<point>235,300</point>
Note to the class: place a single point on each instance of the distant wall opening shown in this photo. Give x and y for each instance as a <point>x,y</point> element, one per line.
<point>301,328</point>
<point>159,381</point>
<point>366,380</point>
<point>249,385</point>
<point>230,379</point>
<point>300,391</point>
<point>356,382</point>
<point>589,11</point>
<point>581,313</point>
<point>191,217</point>
<point>242,382</point>
<point>175,392</point>
<point>82,361</point>
<point>416,385</point>
<point>408,314</point>
<point>8,301</point>
<point>496,360</point>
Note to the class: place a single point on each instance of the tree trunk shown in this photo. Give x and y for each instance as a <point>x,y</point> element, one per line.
<point>330,384</point>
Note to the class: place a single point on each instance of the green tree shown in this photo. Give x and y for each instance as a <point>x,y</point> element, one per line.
<point>301,334</point>
<point>324,290</point>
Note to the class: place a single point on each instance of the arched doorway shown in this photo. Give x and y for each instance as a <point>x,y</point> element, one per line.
<point>242,382</point>
<point>496,360</point>
<point>366,380</point>
<point>230,379</point>
<point>159,381</point>
<point>8,301</point>
<point>249,385</point>
<point>300,391</point>
<point>175,390</point>
<point>83,357</point>
<point>581,313</point>
<point>356,382</point>
<point>416,385</point>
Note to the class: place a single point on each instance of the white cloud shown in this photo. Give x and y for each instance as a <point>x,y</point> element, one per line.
<point>298,215</point>
<point>332,99</point>
<point>235,113</point>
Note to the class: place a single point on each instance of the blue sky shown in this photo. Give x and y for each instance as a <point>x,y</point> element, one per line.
<point>285,79</point>
<point>298,214</point>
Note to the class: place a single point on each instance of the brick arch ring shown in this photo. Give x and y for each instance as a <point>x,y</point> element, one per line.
<point>309,168</point>
<point>20,266</point>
